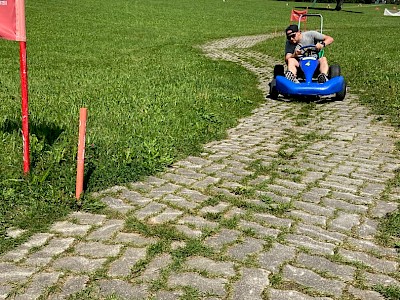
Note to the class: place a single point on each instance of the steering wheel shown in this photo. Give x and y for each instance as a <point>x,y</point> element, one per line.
<point>309,50</point>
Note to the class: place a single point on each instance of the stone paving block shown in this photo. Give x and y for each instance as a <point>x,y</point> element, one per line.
<point>198,222</point>
<point>351,198</point>
<point>251,284</point>
<point>78,264</point>
<point>382,208</point>
<point>313,280</point>
<point>308,218</point>
<point>225,236</point>
<point>54,247</point>
<point>260,230</point>
<point>176,178</point>
<point>150,209</point>
<point>343,205</point>
<point>311,177</point>
<point>216,209</point>
<point>345,180</point>
<point>5,290</point>
<point>122,289</point>
<point>315,195</point>
<point>72,285</point>
<point>314,208</point>
<point>336,186</point>
<point>282,190</point>
<point>85,218</point>
<point>381,265</point>
<point>364,295</point>
<point>273,220</point>
<point>122,266</point>
<point>276,256</point>
<point>373,189</point>
<point>165,189</point>
<point>67,228</point>
<point>275,294</point>
<point>166,216</point>
<point>134,239</point>
<point>216,268</point>
<point>189,173</point>
<point>193,195</point>
<point>97,249</point>
<point>186,230</point>
<point>117,204</point>
<point>365,245</point>
<point>375,279</point>
<point>344,222</point>
<point>10,273</point>
<point>180,202</point>
<point>107,230</point>
<point>311,244</point>
<point>214,286</point>
<point>38,285</point>
<point>154,268</point>
<point>249,246</point>
<point>205,182</point>
<point>134,198</point>
<point>168,295</point>
<point>322,264</point>
<point>368,229</point>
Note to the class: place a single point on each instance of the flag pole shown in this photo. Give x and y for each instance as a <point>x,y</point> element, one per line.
<point>24,105</point>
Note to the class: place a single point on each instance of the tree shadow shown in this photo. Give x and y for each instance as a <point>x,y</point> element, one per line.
<point>327,9</point>
<point>48,132</point>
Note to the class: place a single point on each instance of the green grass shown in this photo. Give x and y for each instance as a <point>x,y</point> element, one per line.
<point>152,96</point>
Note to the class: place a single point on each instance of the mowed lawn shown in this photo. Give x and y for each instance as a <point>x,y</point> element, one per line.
<point>152,96</point>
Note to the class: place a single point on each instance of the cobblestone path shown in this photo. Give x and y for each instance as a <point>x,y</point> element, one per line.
<point>286,207</point>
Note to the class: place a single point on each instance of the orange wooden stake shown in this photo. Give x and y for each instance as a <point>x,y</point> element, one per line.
<point>81,152</point>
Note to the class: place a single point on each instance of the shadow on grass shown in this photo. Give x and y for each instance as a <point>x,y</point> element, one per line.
<point>327,9</point>
<point>43,131</point>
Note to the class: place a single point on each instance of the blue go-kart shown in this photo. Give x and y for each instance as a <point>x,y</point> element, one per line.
<point>307,74</point>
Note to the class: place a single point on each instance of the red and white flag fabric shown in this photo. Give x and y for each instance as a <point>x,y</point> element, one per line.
<point>295,15</point>
<point>12,20</point>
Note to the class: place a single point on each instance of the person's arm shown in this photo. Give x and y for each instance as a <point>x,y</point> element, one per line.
<point>327,40</point>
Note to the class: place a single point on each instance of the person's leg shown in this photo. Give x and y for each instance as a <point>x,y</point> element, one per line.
<point>323,69</point>
<point>292,65</point>
<point>323,65</point>
<point>291,72</point>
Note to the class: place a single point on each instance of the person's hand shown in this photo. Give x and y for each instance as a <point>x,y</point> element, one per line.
<point>319,46</point>
<point>297,50</point>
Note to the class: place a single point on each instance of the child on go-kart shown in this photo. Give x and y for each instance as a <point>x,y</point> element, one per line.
<point>296,39</point>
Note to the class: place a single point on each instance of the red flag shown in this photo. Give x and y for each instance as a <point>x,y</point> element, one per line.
<point>295,15</point>
<point>12,20</point>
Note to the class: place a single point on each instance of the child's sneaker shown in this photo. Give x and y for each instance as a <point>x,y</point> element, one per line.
<point>289,75</point>
<point>322,78</point>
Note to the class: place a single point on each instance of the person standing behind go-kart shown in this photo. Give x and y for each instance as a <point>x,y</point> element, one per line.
<point>296,39</point>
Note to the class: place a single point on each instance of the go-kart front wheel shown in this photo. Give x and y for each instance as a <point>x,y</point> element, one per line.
<point>334,71</point>
<point>342,94</point>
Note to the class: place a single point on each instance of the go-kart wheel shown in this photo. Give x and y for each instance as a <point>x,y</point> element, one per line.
<point>334,71</point>
<point>342,94</point>
<point>273,92</point>
<point>279,70</point>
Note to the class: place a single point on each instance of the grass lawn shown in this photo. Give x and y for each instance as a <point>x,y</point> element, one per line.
<point>152,96</point>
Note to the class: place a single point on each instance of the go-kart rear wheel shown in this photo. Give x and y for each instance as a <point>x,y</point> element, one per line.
<point>342,94</point>
<point>334,71</point>
<point>279,70</point>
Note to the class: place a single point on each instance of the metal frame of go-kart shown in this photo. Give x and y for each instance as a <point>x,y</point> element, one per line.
<point>335,86</point>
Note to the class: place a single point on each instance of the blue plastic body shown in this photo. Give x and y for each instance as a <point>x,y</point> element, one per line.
<point>308,87</point>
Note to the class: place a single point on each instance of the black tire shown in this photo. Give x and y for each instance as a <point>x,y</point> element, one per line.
<point>334,71</point>
<point>279,70</point>
<point>342,94</point>
<point>273,92</point>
